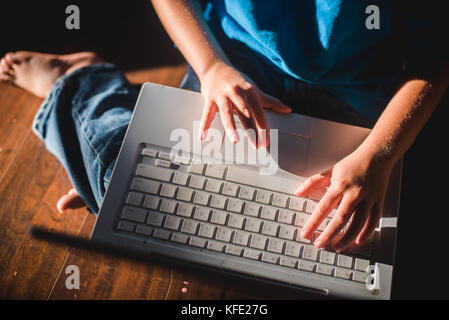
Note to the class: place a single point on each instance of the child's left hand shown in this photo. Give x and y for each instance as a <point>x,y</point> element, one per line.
<point>357,185</point>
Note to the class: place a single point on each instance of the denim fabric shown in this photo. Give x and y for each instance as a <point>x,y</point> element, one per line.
<point>84,119</point>
<point>83,122</point>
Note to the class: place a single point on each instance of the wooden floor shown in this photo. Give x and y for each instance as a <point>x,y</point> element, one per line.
<point>32,180</point>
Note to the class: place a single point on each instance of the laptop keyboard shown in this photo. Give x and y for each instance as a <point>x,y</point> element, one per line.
<point>231,210</point>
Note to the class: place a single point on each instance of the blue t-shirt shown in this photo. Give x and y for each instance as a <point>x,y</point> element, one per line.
<point>328,43</point>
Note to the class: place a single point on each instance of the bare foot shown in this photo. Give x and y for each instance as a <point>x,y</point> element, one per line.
<point>38,72</point>
<point>71,200</point>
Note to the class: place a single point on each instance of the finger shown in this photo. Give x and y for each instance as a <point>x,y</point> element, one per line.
<point>359,218</point>
<point>339,220</point>
<point>317,181</point>
<point>248,126</point>
<point>6,78</point>
<point>4,68</point>
<point>208,115</point>
<point>270,102</point>
<point>227,118</point>
<point>370,225</point>
<point>259,118</point>
<point>322,210</point>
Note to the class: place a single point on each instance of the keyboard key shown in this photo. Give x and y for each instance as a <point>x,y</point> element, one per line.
<point>292,249</point>
<point>134,214</point>
<point>258,241</point>
<point>163,163</point>
<point>197,242</point>
<point>286,216</point>
<point>235,205</point>
<point>218,201</point>
<point>287,232</point>
<point>197,182</point>
<point>168,206</point>
<point>310,206</point>
<point>215,246</point>
<point>213,185</point>
<point>252,224</point>
<point>145,185</point>
<point>344,261</point>
<point>126,226</point>
<point>251,254</point>
<point>223,234</point>
<point>236,221</point>
<point>197,168</point>
<point>288,262</point>
<point>151,202</point>
<point>180,178</point>
<point>275,245</point>
<point>218,217</point>
<point>215,170</point>
<point>189,226</point>
<point>153,172</point>
<point>168,190</point>
<point>149,152</point>
<point>184,194</point>
<point>301,219</point>
<point>247,193</point>
<point>155,219</point>
<point>306,265</point>
<point>202,213</point>
<point>172,223</point>
<point>135,198</point>
<point>144,230</point>
<point>343,273</point>
<point>280,200</point>
<point>263,196</point>
<point>324,269</point>
<point>234,250</point>
<point>327,257</point>
<point>310,253</point>
<point>252,209</point>
<point>162,234</point>
<point>201,198</point>
<point>241,238</point>
<point>184,210</point>
<point>164,155</point>
<point>230,189</point>
<point>361,264</point>
<point>296,204</point>
<point>270,257</point>
<point>302,240</point>
<point>360,276</point>
<point>180,238</point>
<point>270,228</point>
<point>206,230</point>
<point>268,213</point>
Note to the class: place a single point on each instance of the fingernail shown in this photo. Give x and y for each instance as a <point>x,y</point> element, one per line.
<point>233,136</point>
<point>300,189</point>
<point>304,233</point>
<point>318,244</point>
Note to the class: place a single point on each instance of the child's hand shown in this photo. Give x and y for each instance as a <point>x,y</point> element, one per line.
<point>357,185</point>
<point>228,91</point>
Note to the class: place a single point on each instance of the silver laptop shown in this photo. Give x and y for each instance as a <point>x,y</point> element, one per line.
<point>226,207</point>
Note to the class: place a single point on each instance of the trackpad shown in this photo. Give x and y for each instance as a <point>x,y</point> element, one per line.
<point>292,152</point>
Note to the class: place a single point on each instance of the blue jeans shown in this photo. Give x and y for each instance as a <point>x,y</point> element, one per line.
<point>84,119</point>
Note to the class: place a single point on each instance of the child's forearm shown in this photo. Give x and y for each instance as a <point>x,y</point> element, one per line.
<point>183,21</point>
<point>404,117</point>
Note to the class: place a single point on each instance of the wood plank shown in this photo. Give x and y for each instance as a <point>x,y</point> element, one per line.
<point>28,193</point>
<point>17,109</point>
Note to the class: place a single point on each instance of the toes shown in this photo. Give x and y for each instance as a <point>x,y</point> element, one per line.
<point>71,200</point>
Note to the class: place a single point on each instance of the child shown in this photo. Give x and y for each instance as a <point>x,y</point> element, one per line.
<point>340,60</point>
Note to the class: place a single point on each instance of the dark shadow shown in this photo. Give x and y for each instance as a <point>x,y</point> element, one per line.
<point>127,33</point>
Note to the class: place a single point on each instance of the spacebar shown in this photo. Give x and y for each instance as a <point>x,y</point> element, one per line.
<point>252,178</point>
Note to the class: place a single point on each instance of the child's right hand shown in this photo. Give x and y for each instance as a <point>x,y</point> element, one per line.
<point>228,91</point>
